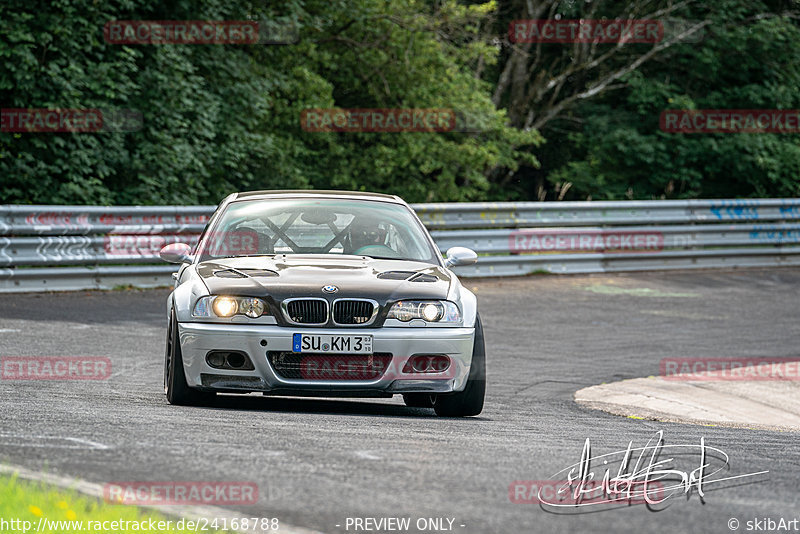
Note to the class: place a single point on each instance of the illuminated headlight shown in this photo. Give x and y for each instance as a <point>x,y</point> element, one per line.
<point>432,311</point>
<point>223,306</point>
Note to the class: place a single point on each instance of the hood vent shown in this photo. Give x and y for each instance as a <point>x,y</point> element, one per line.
<point>244,273</point>
<point>228,273</point>
<point>396,275</point>
<point>259,272</point>
<point>422,277</point>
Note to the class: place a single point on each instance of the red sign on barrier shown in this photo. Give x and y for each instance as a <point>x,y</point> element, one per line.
<point>57,219</point>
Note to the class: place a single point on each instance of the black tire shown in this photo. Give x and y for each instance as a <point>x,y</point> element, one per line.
<point>470,401</point>
<point>418,400</point>
<point>175,387</point>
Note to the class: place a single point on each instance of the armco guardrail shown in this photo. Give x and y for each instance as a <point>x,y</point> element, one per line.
<point>77,247</point>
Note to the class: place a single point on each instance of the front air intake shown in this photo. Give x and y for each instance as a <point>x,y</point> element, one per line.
<point>296,366</point>
<point>354,312</point>
<point>306,311</point>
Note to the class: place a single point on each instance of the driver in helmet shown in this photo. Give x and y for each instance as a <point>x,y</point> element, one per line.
<point>365,233</point>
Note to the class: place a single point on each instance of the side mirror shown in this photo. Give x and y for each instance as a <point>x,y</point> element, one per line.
<point>458,256</point>
<point>176,253</point>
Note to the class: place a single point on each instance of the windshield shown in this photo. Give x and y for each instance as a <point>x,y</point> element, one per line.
<point>318,226</point>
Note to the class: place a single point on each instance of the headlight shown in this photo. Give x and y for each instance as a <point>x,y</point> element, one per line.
<point>224,306</point>
<point>251,307</point>
<point>432,311</point>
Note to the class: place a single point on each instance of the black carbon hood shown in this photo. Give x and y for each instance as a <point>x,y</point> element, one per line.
<point>276,278</point>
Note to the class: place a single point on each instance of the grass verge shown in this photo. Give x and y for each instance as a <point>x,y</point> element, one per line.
<point>35,507</point>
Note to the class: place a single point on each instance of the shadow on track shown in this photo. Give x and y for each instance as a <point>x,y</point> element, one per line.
<point>315,406</point>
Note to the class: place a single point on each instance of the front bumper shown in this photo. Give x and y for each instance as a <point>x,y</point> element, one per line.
<point>197,339</point>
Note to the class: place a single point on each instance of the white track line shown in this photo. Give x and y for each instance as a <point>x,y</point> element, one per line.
<point>23,440</point>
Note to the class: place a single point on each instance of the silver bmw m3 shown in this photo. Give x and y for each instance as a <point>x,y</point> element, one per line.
<point>322,293</point>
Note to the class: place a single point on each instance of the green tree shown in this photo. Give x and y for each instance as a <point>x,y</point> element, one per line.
<point>220,118</point>
<point>598,106</point>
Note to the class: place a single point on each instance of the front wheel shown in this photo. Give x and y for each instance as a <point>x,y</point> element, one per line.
<point>175,387</point>
<point>470,401</point>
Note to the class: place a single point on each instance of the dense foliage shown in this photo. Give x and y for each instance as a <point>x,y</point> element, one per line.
<point>220,118</point>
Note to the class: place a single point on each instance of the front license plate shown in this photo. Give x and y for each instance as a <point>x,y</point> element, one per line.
<point>348,344</point>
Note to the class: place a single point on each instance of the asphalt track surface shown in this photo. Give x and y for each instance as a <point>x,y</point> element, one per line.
<point>319,461</point>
